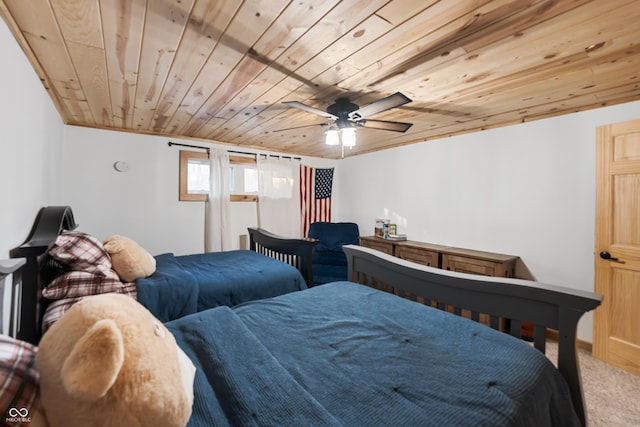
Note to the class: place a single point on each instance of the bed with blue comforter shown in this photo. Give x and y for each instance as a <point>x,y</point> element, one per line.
<point>187,284</point>
<point>345,354</point>
<point>357,354</point>
<point>181,285</point>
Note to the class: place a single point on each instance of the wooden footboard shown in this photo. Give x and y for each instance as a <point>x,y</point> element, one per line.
<point>296,252</point>
<point>515,301</point>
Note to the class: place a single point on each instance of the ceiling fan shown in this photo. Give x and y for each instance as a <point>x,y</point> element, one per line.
<point>346,116</point>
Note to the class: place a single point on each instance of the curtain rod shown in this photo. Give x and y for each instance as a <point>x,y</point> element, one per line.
<point>187,145</point>
<point>266,155</point>
<point>235,152</point>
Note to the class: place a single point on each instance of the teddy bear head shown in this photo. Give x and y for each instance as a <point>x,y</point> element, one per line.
<point>109,361</point>
<point>130,260</point>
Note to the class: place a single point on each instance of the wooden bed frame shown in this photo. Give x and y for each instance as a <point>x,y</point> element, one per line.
<point>40,269</point>
<point>513,300</point>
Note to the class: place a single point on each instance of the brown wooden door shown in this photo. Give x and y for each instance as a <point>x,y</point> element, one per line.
<point>617,251</point>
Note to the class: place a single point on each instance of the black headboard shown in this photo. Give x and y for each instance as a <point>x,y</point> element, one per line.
<point>39,268</point>
<point>295,252</point>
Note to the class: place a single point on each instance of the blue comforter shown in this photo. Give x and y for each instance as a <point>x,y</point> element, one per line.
<point>344,354</point>
<point>187,284</point>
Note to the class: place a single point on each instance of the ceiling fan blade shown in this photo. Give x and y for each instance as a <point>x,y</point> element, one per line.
<point>384,104</point>
<point>300,127</point>
<point>385,125</point>
<point>309,109</point>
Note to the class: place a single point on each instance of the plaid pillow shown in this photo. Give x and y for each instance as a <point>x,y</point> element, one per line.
<point>82,283</point>
<point>18,378</point>
<point>58,308</point>
<point>130,289</point>
<point>81,251</point>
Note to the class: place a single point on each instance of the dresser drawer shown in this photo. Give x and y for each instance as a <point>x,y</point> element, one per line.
<point>482,267</point>
<point>419,255</point>
<point>377,244</point>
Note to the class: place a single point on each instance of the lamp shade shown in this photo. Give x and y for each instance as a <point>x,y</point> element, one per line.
<point>348,137</point>
<point>332,137</point>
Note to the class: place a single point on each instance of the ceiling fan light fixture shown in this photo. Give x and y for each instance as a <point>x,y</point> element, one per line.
<point>345,116</point>
<point>349,137</point>
<point>332,137</point>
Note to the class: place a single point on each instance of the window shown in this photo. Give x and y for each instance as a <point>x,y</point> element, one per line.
<point>244,179</point>
<point>251,180</point>
<point>194,177</point>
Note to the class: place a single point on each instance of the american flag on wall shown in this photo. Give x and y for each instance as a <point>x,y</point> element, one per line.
<point>315,195</point>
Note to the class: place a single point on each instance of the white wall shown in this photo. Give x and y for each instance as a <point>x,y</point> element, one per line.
<point>30,149</point>
<point>526,190</point>
<point>141,203</point>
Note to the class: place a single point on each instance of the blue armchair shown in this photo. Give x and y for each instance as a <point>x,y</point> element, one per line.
<point>328,260</point>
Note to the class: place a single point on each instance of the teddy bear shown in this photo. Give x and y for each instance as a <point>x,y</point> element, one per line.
<point>109,362</point>
<point>130,260</point>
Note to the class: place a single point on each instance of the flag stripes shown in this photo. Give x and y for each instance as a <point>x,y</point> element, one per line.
<point>315,195</point>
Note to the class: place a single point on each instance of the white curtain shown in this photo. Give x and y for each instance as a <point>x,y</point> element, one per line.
<point>279,196</point>
<point>217,213</point>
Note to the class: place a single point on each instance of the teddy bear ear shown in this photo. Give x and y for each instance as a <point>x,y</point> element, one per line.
<point>94,362</point>
<point>113,246</point>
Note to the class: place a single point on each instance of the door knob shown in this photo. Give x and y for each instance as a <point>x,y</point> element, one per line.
<point>606,255</point>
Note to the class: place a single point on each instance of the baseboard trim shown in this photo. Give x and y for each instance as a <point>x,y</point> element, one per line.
<point>584,345</point>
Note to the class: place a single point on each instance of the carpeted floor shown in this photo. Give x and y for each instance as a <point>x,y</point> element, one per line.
<point>612,395</point>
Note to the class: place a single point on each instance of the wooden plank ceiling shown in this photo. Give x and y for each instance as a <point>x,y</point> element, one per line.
<point>220,70</point>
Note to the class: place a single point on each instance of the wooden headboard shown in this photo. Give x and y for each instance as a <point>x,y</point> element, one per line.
<point>39,268</point>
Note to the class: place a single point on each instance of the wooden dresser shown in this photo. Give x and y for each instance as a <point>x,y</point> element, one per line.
<point>446,257</point>
<point>454,259</point>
